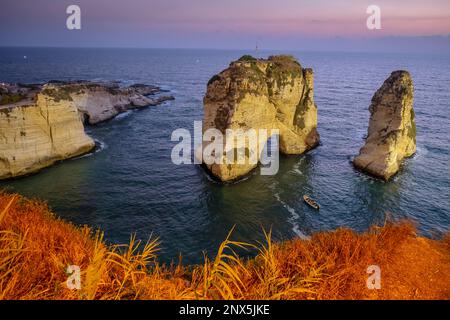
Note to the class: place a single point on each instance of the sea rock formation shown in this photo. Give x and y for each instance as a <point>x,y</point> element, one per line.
<point>392,129</point>
<point>42,124</point>
<point>274,93</point>
<point>99,102</point>
<point>36,134</point>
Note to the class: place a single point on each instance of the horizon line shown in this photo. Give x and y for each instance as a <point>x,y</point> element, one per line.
<point>212,49</point>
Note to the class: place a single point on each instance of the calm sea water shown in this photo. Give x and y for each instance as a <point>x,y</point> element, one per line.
<point>131,185</point>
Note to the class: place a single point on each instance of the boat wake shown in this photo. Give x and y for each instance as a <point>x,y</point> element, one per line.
<point>297,171</point>
<point>293,218</point>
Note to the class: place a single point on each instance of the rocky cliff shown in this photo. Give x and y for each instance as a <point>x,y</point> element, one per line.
<point>41,124</point>
<point>274,93</point>
<point>36,134</point>
<point>102,101</point>
<point>391,135</point>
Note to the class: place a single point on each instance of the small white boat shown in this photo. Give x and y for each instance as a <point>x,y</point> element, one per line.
<point>311,202</point>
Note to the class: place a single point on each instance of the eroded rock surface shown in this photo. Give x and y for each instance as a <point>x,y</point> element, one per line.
<point>391,135</point>
<point>43,123</point>
<point>96,101</point>
<point>273,93</point>
<point>36,135</point>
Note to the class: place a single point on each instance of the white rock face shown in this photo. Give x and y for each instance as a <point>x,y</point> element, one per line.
<point>37,135</point>
<point>391,135</point>
<point>261,94</point>
<point>101,102</point>
<point>42,124</point>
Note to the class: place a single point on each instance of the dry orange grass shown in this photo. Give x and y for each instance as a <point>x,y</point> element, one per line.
<point>36,248</point>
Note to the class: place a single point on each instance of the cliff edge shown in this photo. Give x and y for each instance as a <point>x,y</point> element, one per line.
<point>34,134</point>
<point>44,123</point>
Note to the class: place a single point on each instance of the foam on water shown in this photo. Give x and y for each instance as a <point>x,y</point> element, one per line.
<point>99,147</point>
<point>123,115</point>
<point>293,218</point>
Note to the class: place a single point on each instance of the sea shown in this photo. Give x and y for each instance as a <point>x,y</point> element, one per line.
<point>130,185</point>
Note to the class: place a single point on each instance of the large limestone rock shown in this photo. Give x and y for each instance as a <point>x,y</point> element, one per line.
<point>97,101</point>
<point>36,134</point>
<point>42,124</point>
<point>392,129</point>
<point>276,93</point>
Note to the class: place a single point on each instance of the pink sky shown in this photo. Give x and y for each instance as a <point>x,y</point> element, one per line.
<point>199,23</point>
<point>307,17</point>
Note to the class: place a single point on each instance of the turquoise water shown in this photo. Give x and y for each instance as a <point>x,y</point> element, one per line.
<point>130,184</point>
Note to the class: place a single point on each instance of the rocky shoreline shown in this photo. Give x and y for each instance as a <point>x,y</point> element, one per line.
<point>41,124</point>
<point>96,101</point>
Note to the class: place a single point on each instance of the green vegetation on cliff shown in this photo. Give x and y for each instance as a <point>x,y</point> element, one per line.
<point>10,98</point>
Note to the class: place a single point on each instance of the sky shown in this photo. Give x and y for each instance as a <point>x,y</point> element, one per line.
<point>406,25</point>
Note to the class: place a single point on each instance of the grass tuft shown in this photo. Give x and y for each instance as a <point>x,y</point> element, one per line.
<point>36,248</point>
